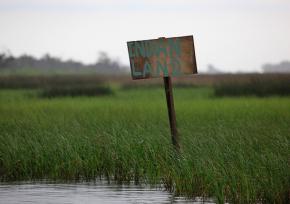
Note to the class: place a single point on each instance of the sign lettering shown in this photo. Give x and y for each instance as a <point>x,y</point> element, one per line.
<point>162,57</point>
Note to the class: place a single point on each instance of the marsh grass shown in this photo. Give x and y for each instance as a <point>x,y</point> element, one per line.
<point>254,87</point>
<point>234,149</point>
<point>74,91</point>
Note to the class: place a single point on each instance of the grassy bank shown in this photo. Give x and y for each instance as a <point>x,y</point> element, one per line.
<point>234,149</point>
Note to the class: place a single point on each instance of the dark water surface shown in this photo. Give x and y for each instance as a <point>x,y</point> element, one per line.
<point>84,192</point>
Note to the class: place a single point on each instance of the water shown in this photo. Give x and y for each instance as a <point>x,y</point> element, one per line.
<point>84,192</point>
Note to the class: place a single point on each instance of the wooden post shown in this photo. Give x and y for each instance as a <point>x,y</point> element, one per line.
<point>171,112</point>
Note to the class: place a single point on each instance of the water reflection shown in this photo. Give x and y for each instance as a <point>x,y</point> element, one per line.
<point>85,192</point>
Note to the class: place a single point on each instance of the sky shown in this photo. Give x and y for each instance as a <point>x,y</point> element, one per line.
<point>232,35</point>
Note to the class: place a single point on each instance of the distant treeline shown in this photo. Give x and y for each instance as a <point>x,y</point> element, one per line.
<point>260,85</point>
<point>46,65</point>
<point>27,64</point>
<point>282,67</point>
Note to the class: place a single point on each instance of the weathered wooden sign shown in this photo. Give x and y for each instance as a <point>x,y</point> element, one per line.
<point>163,57</point>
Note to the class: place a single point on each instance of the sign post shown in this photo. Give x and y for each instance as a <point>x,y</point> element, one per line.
<point>171,112</point>
<point>163,57</point>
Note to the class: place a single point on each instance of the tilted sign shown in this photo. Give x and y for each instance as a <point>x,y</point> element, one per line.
<point>162,57</point>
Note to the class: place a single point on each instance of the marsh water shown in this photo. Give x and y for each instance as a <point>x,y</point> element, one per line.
<point>85,192</point>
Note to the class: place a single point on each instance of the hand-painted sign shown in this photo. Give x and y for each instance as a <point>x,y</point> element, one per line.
<point>162,57</point>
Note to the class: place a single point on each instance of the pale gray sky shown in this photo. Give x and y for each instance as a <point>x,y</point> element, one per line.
<point>234,35</point>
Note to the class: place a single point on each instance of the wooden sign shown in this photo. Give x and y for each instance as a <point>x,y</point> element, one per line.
<point>163,57</point>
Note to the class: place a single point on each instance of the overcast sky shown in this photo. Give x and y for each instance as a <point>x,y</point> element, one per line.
<point>233,35</point>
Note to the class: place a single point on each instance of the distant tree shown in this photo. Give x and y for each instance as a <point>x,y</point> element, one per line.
<point>2,60</point>
<point>211,69</point>
<point>103,58</point>
<point>106,65</point>
<point>5,60</point>
<point>282,67</point>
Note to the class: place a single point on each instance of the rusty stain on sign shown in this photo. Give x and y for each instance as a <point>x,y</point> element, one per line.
<point>162,57</point>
